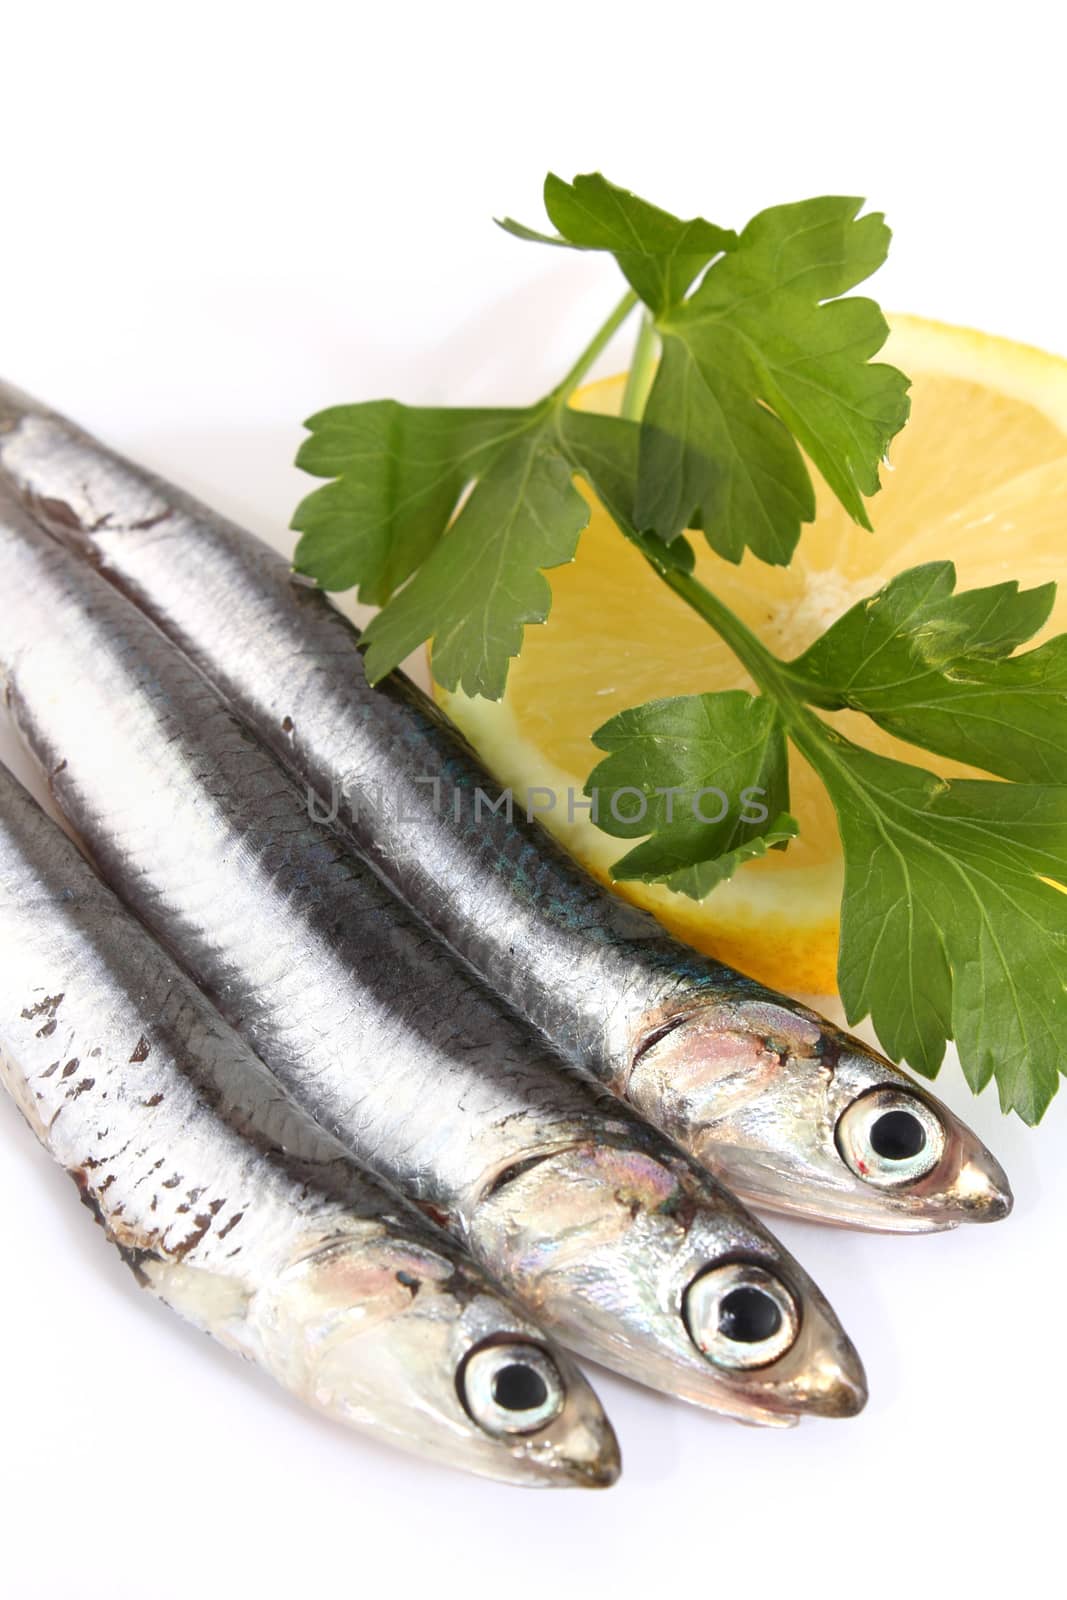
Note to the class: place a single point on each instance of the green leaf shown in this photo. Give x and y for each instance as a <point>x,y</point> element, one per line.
<point>398,472</point>
<point>949,928</point>
<point>482,582</point>
<point>934,668</point>
<point>604,450</point>
<point>658,253</point>
<point>668,862</point>
<point>763,359</point>
<point>763,333</point>
<point>448,518</point>
<point>712,457</point>
<point>704,776</point>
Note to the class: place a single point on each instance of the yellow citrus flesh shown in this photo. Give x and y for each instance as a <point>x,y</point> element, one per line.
<point>979,476</point>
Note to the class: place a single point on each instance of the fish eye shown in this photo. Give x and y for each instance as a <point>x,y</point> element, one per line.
<point>889,1137</point>
<point>741,1315</point>
<point>510,1387</point>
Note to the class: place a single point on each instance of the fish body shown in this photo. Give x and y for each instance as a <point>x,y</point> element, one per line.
<point>233,1207</point>
<point>575,1204</point>
<point>783,1106</point>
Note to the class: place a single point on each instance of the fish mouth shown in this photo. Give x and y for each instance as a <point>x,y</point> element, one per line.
<point>835,1387</point>
<point>837,1397</point>
<point>978,1191</point>
<point>600,1470</point>
<point>637,1261</point>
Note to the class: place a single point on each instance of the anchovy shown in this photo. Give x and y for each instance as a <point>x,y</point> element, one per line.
<point>785,1108</point>
<point>231,1206</point>
<point>583,1211</point>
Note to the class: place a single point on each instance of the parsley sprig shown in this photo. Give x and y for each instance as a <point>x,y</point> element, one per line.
<point>752,360</point>
<point>952,924</point>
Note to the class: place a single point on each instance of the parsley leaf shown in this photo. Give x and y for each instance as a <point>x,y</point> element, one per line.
<point>763,334</point>
<point>949,929</point>
<point>482,582</point>
<point>659,254</point>
<point>451,517</point>
<point>709,775</point>
<point>928,666</point>
<point>762,359</point>
<point>398,472</point>
<point>604,449</point>
<point>713,458</point>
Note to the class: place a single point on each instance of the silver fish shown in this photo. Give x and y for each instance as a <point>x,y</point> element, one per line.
<point>234,1208</point>
<point>586,1213</point>
<point>785,1108</point>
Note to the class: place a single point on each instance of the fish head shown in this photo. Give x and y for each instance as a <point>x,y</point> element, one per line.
<point>798,1116</point>
<point>394,1337</point>
<point>640,1261</point>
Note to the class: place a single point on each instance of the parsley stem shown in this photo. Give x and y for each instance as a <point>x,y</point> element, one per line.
<point>563,391</point>
<point>742,641</point>
<point>770,674</point>
<point>642,370</point>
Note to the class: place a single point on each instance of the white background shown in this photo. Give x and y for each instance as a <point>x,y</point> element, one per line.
<point>217,220</point>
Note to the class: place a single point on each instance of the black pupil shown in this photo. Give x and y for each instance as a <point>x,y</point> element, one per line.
<point>748,1316</point>
<point>897,1135</point>
<point>519,1388</point>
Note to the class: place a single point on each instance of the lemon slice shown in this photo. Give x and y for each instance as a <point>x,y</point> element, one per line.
<point>979,476</point>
